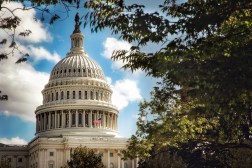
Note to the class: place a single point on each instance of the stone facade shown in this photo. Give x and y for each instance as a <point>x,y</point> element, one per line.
<point>76,110</point>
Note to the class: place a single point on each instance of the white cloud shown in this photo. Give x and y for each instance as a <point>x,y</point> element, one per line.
<point>124,92</point>
<point>13,141</point>
<point>39,33</point>
<point>23,85</point>
<point>112,44</point>
<point>40,53</point>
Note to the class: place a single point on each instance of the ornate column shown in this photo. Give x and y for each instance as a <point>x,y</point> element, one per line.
<point>55,119</point>
<point>69,118</point>
<point>108,163</point>
<point>90,119</point>
<point>103,119</point>
<point>118,160</point>
<point>84,118</point>
<point>95,118</point>
<point>41,122</point>
<point>133,163</point>
<point>76,118</point>
<point>44,121</point>
<point>58,120</point>
<point>122,163</point>
<point>49,120</point>
<point>115,122</point>
<point>112,121</point>
<point>109,121</point>
<point>62,119</point>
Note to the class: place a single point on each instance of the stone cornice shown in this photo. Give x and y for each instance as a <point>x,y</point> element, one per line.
<point>77,104</point>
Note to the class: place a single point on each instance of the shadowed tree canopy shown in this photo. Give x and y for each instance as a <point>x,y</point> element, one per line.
<point>204,99</point>
<point>82,157</point>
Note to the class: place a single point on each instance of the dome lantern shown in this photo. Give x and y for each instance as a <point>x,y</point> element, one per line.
<point>77,37</point>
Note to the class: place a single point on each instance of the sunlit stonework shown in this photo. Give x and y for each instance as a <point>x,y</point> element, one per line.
<point>76,110</point>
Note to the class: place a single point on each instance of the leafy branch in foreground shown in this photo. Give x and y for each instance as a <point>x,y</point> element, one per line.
<point>10,22</point>
<point>202,106</point>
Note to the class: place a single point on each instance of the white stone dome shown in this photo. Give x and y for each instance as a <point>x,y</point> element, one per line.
<point>77,99</point>
<point>77,65</point>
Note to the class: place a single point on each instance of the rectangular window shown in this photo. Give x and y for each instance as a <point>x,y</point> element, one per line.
<point>52,96</point>
<point>111,154</point>
<point>79,94</point>
<point>57,95</point>
<point>51,153</point>
<point>73,94</point>
<point>67,94</point>
<point>50,165</point>
<point>60,121</point>
<point>80,118</point>
<point>73,119</point>
<point>101,154</point>
<point>85,94</point>
<point>86,120</point>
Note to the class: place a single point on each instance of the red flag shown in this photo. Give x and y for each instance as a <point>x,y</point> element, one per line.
<point>97,121</point>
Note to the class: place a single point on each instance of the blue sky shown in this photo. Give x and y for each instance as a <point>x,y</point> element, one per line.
<point>47,45</point>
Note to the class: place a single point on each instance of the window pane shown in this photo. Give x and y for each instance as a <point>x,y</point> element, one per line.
<point>73,94</point>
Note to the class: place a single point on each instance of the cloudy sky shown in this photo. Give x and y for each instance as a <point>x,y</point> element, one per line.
<point>46,45</point>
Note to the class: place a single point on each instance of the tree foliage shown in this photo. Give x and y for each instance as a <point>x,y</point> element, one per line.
<point>10,21</point>
<point>202,106</point>
<point>82,157</point>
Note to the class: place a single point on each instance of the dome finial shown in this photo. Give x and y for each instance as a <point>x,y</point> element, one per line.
<point>77,23</point>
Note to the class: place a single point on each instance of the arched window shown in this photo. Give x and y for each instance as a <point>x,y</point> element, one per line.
<point>85,94</point>
<point>60,120</point>
<point>62,95</point>
<point>80,118</point>
<point>73,94</point>
<point>86,120</point>
<point>67,94</point>
<point>73,119</point>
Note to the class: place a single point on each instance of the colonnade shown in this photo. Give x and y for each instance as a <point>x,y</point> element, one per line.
<point>76,118</point>
<point>89,94</point>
